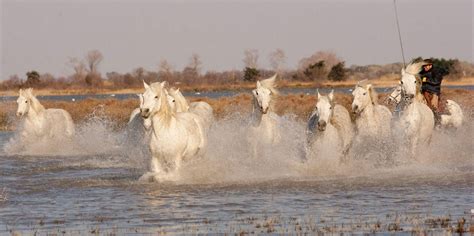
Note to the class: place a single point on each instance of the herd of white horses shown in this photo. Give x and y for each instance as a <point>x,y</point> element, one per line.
<point>176,131</point>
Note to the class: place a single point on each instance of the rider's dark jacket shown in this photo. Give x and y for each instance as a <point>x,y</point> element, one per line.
<point>431,80</point>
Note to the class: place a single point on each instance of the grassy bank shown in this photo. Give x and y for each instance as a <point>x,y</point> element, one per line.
<point>118,111</point>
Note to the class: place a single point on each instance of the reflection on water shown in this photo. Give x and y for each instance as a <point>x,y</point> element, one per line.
<point>93,188</point>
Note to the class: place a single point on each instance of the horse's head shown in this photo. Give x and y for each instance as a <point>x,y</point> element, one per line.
<point>24,101</point>
<point>151,100</point>
<point>410,84</point>
<point>364,95</point>
<point>177,101</point>
<point>396,95</point>
<point>264,92</point>
<point>324,109</point>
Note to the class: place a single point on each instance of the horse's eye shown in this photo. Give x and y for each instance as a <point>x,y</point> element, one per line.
<point>256,92</point>
<point>415,81</point>
<point>156,97</point>
<point>401,82</point>
<point>26,101</point>
<point>364,93</point>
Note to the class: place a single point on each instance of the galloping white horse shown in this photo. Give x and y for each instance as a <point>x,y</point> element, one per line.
<point>202,109</point>
<point>454,119</point>
<point>175,137</point>
<point>417,120</point>
<point>41,122</point>
<point>329,125</point>
<point>265,128</point>
<point>373,120</point>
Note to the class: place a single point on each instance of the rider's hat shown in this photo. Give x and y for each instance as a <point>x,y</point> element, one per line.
<point>428,62</point>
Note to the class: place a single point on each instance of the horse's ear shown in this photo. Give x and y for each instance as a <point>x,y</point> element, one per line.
<point>273,78</point>
<point>164,84</point>
<point>29,91</point>
<point>403,71</point>
<point>20,92</point>
<point>146,85</point>
<point>319,95</point>
<point>259,84</point>
<point>331,95</point>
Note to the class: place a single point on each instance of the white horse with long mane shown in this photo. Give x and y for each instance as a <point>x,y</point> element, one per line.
<point>455,118</point>
<point>417,120</point>
<point>42,123</point>
<point>329,126</point>
<point>372,119</point>
<point>175,137</point>
<point>265,127</point>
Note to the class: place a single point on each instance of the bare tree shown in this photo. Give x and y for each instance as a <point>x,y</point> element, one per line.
<point>79,68</point>
<point>93,59</point>
<point>165,67</point>
<point>330,59</point>
<point>251,58</point>
<point>195,63</point>
<point>165,70</point>
<point>277,60</point>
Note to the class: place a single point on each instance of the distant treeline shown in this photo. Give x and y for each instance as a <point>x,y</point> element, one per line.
<point>322,66</point>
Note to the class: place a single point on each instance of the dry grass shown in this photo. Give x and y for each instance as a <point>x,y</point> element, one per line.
<point>119,110</point>
<point>384,81</point>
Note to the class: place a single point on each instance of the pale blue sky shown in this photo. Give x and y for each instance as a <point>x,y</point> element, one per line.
<point>43,34</point>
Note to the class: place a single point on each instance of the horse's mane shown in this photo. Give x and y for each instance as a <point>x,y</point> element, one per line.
<point>270,84</point>
<point>414,67</point>
<point>370,89</point>
<point>34,102</point>
<point>165,109</point>
<point>179,99</point>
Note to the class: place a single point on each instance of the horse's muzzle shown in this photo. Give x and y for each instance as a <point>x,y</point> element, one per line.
<point>322,125</point>
<point>355,109</point>
<point>19,114</point>
<point>264,111</point>
<point>145,112</point>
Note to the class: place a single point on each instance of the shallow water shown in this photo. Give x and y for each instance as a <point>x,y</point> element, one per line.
<point>212,94</point>
<point>92,187</point>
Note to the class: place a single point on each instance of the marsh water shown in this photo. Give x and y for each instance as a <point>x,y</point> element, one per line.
<point>90,185</point>
<point>214,94</point>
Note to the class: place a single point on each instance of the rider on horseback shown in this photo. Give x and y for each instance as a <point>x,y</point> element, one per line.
<point>431,87</point>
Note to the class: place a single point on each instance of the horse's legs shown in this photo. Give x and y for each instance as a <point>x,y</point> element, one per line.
<point>155,165</point>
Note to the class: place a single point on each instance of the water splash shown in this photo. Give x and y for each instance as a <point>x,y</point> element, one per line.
<point>229,157</point>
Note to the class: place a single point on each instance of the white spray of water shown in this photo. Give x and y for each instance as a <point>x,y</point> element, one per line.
<point>229,160</point>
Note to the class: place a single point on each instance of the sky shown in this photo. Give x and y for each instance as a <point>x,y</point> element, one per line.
<point>44,34</point>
